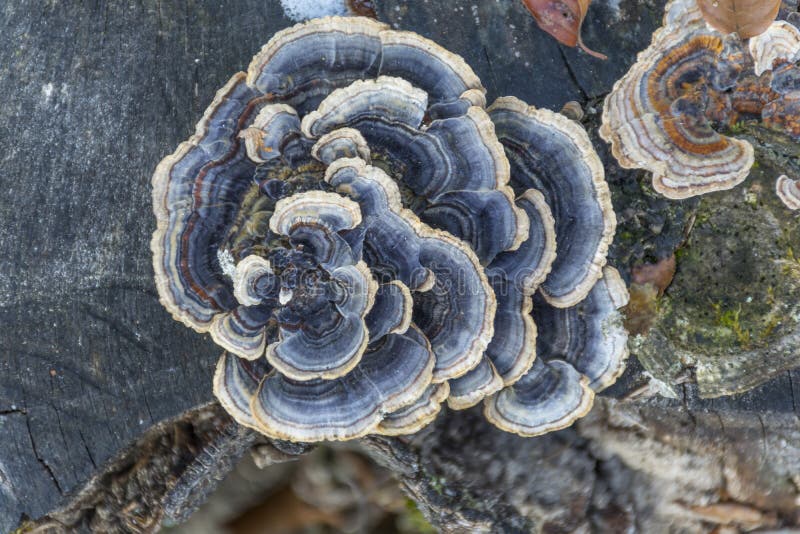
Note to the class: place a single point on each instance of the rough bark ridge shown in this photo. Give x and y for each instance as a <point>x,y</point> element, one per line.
<point>97,93</point>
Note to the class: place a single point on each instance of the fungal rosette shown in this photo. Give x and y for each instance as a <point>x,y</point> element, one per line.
<point>366,240</point>
<point>673,112</point>
<point>655,117</point>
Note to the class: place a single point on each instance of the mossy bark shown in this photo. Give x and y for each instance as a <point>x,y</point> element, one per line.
<point>731,316</point>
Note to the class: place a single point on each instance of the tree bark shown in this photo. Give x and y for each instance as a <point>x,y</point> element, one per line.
<point>97,382</point>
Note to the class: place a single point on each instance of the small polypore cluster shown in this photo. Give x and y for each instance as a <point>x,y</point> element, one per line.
<point>788,191</point>
<point>366,240</point>
<point>666,114</point>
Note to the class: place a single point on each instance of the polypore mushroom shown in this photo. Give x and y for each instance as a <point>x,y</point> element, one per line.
<point>416,415</point>
<point>581,349</point>
<point>788,191</point>
<point>554,155</point>
<point>780,41</point>
<point>347,226</point>
<point>665,113</point>
<point>515,276</point>
<point>655,117</point>
<point>562,188</point>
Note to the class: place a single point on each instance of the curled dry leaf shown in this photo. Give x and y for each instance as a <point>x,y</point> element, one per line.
<point>648,283</point>
<point>658,274</point>
<point>562,19</point>
<point>748,18</point>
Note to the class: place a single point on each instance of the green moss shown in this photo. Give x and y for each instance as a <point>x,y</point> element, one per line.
<point>437,483</point>
<point>738,128</point>
<point>769,328</point>
<point>703,217</point>
<point>790,257</point>
<point>686,254</point>
<point>730,319</point>
<point>624,236</point>
<point>413,520</point>
<point>736,292</point>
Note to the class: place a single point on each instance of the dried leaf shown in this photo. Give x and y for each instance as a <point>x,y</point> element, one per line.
<point>659,274</point>
<point>648,283</point>
<point>748,18</point>
<point>362,8</point>
<point>562,19</point>
<point>642,308</point>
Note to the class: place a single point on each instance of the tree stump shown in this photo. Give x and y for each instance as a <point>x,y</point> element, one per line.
<point>98,383</point>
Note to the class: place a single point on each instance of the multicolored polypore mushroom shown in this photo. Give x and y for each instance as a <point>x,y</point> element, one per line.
<point>582,350</point>
<point>365,241</point>
<point>655,117</point>
<point>788,191</point>
<point>668,114</point>
<point>780,42</point>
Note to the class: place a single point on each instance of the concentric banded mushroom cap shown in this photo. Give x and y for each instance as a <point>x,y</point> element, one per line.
<point>303,64</point>
<point>554,155</point>
<point>572,224</point>
<point>590,335</point>
<point>416,415</point>
<point>342,408</point>
<point>581,350</point>
<point>780,41</point>
<point>462,189</point>
<point>788,191</point>
<point>657,116</point>
<point>515,275</point>
<point>783,114</point>
<point>346,225</point>
<point>185,192</point>
<point>551,396</point>
<point>460,294</point>
<point>319,274</point>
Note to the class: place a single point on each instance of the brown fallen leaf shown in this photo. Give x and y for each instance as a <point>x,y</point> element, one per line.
<point>562,19</point>
<point>362,8</point>
<point>642,308</point>
<point>748,18</point>
<point>648,283</point>
<point>659,274</point>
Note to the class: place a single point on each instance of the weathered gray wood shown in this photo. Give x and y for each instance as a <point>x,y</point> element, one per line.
<point>627,467</point>
<point>95,94</point>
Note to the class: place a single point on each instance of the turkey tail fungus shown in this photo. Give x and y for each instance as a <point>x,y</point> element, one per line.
<point>365,241</point>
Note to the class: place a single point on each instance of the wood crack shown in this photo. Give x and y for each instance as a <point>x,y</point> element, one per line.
<point>491,69</point>
<point>572,76</point>
<point>41,460</point>
<point>86,447</point>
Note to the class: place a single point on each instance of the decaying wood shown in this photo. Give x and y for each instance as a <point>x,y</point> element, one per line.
<point>164,475</point>
<point>99,385</point>
<point>646,466</point>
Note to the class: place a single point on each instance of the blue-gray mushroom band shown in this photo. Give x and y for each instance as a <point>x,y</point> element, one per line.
<point>366,240</point>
